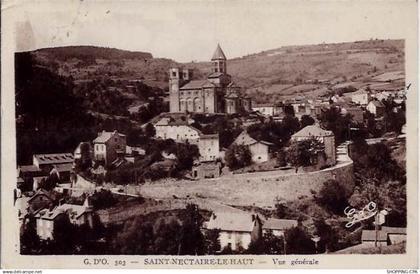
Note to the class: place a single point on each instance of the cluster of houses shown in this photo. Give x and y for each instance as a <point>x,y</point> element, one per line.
<point>212,154</point>
<point>216,94</point>
<point>48,207</point>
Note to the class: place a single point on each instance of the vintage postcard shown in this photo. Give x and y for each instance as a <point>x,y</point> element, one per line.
<point>209,134</point>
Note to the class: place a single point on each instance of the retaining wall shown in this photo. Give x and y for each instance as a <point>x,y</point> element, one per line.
<point>259,188</point>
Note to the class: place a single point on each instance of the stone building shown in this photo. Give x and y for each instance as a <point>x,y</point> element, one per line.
<point>108,146</point>
<point>216,94</point>
<point>177,130</point>
<point>324,136</point>
<point>208,146</point>
<point>259,149</point>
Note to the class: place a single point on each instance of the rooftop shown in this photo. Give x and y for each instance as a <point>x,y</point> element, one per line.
<point>279,224</point>
<point>215,75</point>
<point>246,140</point>
<point>28,168</point>
<point>231,222</point>
<point>394,230</point>
<point>74,211</point>
<point>104,136</point>
<point>370,235</point>
<point>54,158</point>
<point>313,131</point>
<point>197,84</point>
<point>218,54</point>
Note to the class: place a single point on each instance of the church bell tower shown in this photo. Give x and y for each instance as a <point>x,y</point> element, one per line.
<point>219,61</point>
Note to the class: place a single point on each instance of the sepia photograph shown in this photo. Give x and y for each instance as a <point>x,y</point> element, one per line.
<point>211,128</point>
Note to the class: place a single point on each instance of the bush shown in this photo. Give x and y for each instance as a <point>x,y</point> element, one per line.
<point>332,196</point>
<point>238,156</point>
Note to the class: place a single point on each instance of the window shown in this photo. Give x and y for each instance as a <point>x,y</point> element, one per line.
<point>174,73</point>
<point>215,70</point>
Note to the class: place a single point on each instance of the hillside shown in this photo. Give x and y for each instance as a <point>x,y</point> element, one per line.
<point>311,70</point>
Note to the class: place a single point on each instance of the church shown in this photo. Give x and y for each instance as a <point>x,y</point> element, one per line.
<point>216,94</point>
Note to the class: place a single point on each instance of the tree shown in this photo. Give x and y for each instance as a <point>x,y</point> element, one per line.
<point>332,196</point>
<point>269,244</point>
<point>328,236</point>
<point>281,209</point>
<point>304,153</point>
<point>281,158</point>
<point>136,238</point>
<point>29,240</point>
<point>291,124</point>
<point>306,120</point>
<point>103,199</point>
<point>238,156</point>
<point>212,241</point>
<point>186,154</point>
<point>191,238</point>
<point>298,241</point>
<point>50,182</point>
<point>85,161</point>
<point>339,124</point>
<point>150,130</point>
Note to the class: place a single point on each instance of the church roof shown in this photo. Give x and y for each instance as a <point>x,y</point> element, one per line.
<point>215,75</point>
<point>218,54</point>
<point>198,84</point>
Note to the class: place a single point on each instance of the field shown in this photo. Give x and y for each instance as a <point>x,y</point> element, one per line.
<point>282,73</point>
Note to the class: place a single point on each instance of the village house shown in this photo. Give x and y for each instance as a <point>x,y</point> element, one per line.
<point>356,114</point>
<point>42,166</point>
<point>177,130</point>
<point>207,167</point>
<point>361,97</point>
<point>385,236</point>
<point>396,235</point>
<point>238,230</point>
<point>26,175</point>
<point>133,153</point>
<point>265,109</point>
<point>278,226</point>
<point>48,161</point>
<point>376,108</point>
<point>208,146</point>
<point>77,214</point>
<point>108,146</point>
<point>29,205</point>
<point>204,170</point>
<point>324,136</point>
<point>260,150</point>
<point>207,95</point>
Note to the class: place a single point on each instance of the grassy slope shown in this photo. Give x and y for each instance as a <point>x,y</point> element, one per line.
<point>277,73</point>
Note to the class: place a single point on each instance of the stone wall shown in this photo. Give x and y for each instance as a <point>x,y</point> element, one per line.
<point>259,188</point>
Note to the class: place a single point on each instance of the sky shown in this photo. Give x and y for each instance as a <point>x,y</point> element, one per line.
<point>190,30</point>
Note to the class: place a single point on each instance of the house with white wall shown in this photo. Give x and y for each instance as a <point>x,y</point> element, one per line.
<point>46,219</point>
<point>239,229</point>
<point>108,146</point>
<point>260,150</point>
<point>179,131</point>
